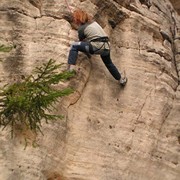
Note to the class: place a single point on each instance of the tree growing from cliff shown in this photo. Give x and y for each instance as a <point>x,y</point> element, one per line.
<point>32,100</point>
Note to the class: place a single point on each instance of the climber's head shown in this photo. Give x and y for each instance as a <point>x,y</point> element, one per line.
<point>81,17</point>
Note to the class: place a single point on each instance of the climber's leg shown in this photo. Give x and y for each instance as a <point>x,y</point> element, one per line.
<point>110,66</point>
<point>75,47</point>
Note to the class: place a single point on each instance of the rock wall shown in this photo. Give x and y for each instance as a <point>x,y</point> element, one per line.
<point>109,132</point>
<point>176,5</point>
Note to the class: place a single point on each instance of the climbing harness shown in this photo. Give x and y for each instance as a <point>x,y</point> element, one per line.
<point>104,39</point>
<point>100,39</point>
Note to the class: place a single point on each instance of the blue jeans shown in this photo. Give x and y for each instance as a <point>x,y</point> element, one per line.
<point>105,56</point>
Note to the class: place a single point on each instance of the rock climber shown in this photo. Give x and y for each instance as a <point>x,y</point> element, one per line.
<point>92,40</point>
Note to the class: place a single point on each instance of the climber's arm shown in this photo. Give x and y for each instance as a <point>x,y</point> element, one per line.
<point>81,34</point>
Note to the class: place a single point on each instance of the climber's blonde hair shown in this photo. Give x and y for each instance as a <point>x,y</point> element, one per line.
<point>81,17</point>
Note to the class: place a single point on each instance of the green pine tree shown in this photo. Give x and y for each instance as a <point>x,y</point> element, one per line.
<point>32,100</point>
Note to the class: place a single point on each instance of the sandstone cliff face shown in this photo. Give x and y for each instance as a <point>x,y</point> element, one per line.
<point>108,133</point>
<point>176,5</point>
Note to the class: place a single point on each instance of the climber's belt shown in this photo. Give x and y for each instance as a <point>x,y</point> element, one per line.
<point>101,39</point>
<point>104,39</point>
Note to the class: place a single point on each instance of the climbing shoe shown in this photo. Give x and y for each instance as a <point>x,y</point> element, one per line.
<point>123,81</point>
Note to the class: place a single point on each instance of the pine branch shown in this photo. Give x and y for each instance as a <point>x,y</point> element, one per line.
<point>32,100</point>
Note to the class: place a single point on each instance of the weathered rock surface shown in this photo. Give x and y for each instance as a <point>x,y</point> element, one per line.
<point>108,133</point>
<point>176,5</point>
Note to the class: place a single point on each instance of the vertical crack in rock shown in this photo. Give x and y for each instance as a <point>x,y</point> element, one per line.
<point>139,46</point>
<point>14,63</point>
<point>79,82</point>
<point>174,29</point>
<point>166,115</point>
<point>141,109</point>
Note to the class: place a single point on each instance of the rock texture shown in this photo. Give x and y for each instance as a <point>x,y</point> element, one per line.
<point>108,133</point>
<point>176,5</point>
